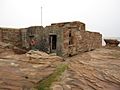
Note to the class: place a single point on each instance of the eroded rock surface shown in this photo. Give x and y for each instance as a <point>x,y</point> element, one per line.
<point>23,72</point>
<point>112,42</point>
<point>95,70</point>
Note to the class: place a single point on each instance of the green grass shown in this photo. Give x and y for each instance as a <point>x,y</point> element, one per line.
<point>46,83</point>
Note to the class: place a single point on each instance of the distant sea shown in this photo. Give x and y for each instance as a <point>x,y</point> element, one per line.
<point>103,42</point>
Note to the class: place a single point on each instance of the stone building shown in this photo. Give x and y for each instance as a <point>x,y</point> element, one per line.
<point>64,39</point>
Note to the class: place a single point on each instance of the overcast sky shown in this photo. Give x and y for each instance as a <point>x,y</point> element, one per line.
<point>99,15</point>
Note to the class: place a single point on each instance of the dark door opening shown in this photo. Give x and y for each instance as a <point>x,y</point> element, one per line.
<point>53,42</point>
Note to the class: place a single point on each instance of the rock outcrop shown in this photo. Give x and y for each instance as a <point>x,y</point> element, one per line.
<point>111,42</point>
<point>24,71</point>
<point>95,70</point>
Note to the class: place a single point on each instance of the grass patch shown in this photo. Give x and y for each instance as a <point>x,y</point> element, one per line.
<point>47,82</point>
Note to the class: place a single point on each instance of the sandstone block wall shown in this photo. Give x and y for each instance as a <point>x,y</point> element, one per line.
<point>54,30</point>
<point>70,38</point>
<point>77,24</point>
<point>93,40</point>
<point>21,37</point>
<point>81,41</point>
<point>12,36</point>
<point>69,47</point>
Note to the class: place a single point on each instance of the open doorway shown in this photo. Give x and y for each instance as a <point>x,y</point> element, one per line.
<point>53,43</point>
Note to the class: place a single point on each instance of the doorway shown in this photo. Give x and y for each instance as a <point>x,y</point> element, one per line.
<point>53,43</point>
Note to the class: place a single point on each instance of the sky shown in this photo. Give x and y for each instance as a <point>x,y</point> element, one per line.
<point>99,15</point>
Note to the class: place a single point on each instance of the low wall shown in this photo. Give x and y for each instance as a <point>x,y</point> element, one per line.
<point>21,37</point>
<point>12,36</point>
<point>93,40</point>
